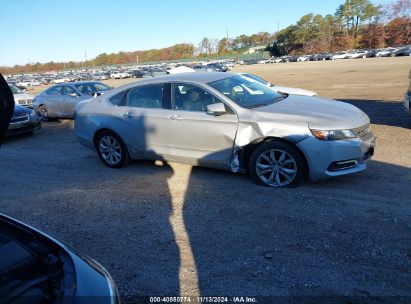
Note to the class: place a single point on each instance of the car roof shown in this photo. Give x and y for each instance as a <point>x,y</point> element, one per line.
<point>199,77</point>
<point>75,83</point>
<point>196,77</point>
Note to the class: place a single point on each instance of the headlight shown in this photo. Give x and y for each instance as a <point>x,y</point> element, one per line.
<point>333,134</point>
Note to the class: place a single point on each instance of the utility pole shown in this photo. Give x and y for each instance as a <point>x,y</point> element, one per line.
<point>278,29</point>
<point>85,57</point>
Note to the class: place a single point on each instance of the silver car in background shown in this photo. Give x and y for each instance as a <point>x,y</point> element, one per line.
<point>20,97</point>
<point>226,121</point>
<point>60,100</point>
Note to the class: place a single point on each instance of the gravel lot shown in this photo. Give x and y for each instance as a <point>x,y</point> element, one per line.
<point>172,229</point>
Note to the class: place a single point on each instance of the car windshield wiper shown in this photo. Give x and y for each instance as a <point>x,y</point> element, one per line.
<point>258,105</point>
<point>284,96</point>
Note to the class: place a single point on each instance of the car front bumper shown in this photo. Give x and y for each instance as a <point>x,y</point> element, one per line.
<point>23,127</point>
<point>338,157</point>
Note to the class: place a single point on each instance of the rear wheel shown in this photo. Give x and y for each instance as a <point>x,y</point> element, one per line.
<point>276,164</point>
<point>112,150</point>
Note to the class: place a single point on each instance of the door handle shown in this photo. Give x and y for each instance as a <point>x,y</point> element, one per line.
<point>175,117</point>
<point>126,114</point>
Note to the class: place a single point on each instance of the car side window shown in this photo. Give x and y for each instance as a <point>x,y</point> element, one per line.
<point>100,87</point>
<point>85,89</point>
<point>55,91</point>
<point>69,90</point>
<point>117,99</point>
<point>147,96</point>
<point>190,97</point>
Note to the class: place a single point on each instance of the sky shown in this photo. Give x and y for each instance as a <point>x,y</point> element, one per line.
<point>47,30</point>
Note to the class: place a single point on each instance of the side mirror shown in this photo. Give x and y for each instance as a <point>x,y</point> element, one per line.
<point>216,109</point>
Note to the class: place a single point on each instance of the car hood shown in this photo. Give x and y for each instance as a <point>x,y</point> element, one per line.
<point>294,91</point>
<point>21,96</point>
<point>317,112</point>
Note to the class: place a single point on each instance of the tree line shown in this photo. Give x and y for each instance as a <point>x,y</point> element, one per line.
<point>356,24</point>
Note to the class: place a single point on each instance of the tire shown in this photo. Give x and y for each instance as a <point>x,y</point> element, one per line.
<point>44,114</point>
<point>283,163</point>
<point>112,150</point>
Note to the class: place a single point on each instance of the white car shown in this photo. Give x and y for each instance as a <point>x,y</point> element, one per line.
<point>357,54</point>
<point>277,60</point>
<point>287,90</point>
<point>60,80</point>
<point>339,55</point>
<point>119,75</point>
<point>115,75</point>
<point>20,97</point>
<point>303,58</point>
<point>229,65</point>
<point>24,83</point>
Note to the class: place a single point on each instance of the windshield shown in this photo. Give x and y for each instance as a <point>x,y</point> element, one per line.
<point>14,89</point>
<point>247,92</point>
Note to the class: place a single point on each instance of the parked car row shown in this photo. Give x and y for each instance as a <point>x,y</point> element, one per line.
<point>353,54</point>
<point>24,81</point>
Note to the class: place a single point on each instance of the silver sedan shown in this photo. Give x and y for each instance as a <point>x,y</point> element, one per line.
<point>60,100</point>
<point>230,122</point>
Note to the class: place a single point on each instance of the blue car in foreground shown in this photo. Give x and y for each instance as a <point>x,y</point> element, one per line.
<point>35,268</point>
<point>24,120</point>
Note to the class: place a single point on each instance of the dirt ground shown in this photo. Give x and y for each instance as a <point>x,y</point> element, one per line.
<point>172,229</point>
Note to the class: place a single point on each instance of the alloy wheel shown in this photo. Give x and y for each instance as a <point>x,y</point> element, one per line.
<point>276,168</point>
<point>110,150</point>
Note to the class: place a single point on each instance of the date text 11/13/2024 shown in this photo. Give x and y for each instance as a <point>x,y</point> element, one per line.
<point>203,300</point>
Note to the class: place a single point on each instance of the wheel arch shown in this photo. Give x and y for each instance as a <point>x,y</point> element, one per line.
<point>249,148</point>
<point>104,129</point>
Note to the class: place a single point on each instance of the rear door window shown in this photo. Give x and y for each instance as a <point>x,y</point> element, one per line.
<point>147,96</point>
<point>118,99</point>
<point>55,91</point>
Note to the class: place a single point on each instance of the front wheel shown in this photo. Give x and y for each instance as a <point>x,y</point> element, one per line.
<point>112,150</point>
<point>276,164</point>
<point>44,113</point>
